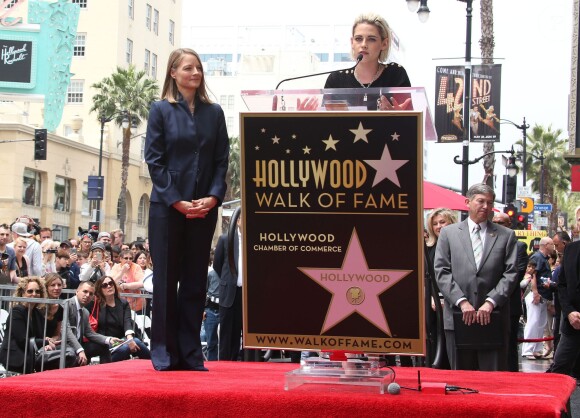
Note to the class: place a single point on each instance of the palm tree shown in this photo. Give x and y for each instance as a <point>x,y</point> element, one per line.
<point>487,44</point>
<point>544,143</point>
<point>234,171</point>
<point>126,95</point>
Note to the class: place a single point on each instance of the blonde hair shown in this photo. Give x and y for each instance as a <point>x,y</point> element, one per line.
<point>170,90</point>
<point>383,27</point>
<point>23,284</point>
<point>447,214</point>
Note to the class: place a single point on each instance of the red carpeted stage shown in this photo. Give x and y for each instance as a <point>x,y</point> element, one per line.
<point>133,388</point>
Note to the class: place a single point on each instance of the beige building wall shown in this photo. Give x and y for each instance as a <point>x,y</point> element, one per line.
<point>73,149</point>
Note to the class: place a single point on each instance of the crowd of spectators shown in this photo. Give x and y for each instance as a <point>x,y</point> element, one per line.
<point>98,267</point>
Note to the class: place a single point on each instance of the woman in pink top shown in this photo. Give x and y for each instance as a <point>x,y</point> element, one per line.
<point>129,277</point>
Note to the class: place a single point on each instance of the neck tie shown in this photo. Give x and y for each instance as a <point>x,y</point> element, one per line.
<point>476,244</point>
<point>79,324</point>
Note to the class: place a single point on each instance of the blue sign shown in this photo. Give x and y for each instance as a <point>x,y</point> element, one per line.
<point>542,207</point>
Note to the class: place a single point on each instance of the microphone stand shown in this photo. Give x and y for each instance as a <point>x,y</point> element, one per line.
<point>275,98</point>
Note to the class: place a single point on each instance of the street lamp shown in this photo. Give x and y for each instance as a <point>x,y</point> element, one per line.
<point>512,168</point>
<point>541,158</point>
<point>106,119</point>
<point>523,127</point>
<point>423,12</point>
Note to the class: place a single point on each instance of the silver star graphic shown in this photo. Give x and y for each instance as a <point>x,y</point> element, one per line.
<point>386,167</point>
<point>263,130</point>
<point>395,136</point>
<point>360,133</point>
<point>293,136</point>
<point>275,140</point>
<point>330,143</point>
<point>257,148</point>
<point>306,150</point>
<point>287,151</point>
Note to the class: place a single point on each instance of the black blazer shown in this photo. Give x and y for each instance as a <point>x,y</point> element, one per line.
<point>187,155</point>
<point>16,332</point>
<point>221,265</point>
<point>569,286</point>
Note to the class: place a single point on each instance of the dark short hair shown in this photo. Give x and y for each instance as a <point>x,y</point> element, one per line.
<point>563,236</point>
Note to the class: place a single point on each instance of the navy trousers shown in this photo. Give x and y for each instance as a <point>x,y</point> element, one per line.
<point>180,252</point>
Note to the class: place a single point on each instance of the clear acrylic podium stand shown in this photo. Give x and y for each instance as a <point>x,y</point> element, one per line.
<point>354,374</point>
<point>360,99</point>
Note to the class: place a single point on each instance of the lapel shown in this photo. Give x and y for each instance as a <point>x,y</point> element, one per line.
<point>490,239</point>
<point>465,236</point>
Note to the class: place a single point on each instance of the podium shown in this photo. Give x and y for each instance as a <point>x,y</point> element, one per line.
<point>341,99</point>
<point>332,218</point>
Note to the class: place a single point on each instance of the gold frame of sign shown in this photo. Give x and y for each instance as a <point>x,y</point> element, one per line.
<point>332,212</point>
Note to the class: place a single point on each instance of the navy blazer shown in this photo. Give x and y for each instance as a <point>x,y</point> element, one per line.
<point>221,265</point>
<point>569,286</point>
<point>187,155</point>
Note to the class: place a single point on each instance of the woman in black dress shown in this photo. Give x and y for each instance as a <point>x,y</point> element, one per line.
<point>371,39</point>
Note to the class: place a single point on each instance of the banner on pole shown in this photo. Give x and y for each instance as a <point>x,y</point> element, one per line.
<point>484,112</point>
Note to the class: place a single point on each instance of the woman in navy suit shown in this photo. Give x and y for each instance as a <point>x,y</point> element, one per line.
<point>187,150</point>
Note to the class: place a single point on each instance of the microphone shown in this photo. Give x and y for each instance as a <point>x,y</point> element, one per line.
<point>358,60</point>
<point>394,388</point>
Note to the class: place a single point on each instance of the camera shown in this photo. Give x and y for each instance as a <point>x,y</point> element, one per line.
<point>51,251</point>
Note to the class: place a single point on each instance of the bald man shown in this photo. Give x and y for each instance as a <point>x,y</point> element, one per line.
<point>503,219</point>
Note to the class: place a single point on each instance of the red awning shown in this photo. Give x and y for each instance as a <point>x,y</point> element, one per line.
<point>439,197</point>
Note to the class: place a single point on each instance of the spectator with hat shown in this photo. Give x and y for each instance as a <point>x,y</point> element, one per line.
<point>96,266</point>
<point>33,251</point>
<point>104,237</point>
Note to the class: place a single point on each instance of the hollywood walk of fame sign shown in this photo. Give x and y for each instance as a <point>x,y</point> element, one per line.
<point>333,235</point>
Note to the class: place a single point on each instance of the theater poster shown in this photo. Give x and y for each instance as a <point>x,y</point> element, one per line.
<point>484,112</point>
<point>332,231</point>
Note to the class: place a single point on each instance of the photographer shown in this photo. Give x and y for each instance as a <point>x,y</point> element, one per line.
<point>96,266</point>
<point>33,250</point>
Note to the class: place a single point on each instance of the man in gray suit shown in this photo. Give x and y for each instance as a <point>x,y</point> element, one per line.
<point>230,296</point>
<point>79,328</point>
<point>475,269</point>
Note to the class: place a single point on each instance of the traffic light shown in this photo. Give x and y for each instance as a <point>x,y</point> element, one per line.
<point>40,144</point>
<point>509,188</point>
<point>510,209</point>
<point>520,221</point>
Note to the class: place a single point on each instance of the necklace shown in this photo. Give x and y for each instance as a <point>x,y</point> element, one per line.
<point>379,70</point>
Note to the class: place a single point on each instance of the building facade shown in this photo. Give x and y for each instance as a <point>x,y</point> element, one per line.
<point>110,34</point>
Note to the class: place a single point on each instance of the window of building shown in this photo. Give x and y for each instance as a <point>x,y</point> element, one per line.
<point>80,44</point>
<point>342,57</point>
<point>154,66</point>
<point>146,62</point>
<point>31,187</point>
<point>62,194</point>
<point>60,232</point>
<point>119,201</point>
<point>322,56</point>
<point>171,32</point>
<point>223,100</point>
<point>222,57</point>
<point>148,11</point>
<point>156,21</point>
<point>129,54</point>
<point>88,205</point>
<point>142,153</point>
<point>74,93</point>
<point>131,4</point>
<point>230,123</point>
<point>82,3</point>
<point>142,214</point>
<point>231,101</point>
